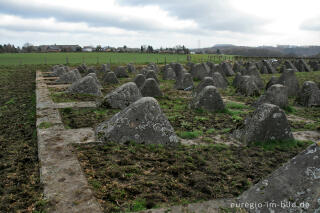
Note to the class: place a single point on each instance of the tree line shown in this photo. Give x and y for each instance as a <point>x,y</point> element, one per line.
<point>9,48</point>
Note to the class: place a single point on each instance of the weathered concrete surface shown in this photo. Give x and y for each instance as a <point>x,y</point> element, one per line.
<point>139,80</point>
<point>59,86</point>
<point>208,99</point>
<point>49,115</point>
<point>48,78</point>
<point>150,88</point>
<point>186,81</point>
<point>299,119</point>
<point>307,136</point>
<point>277,94</point>
<point>142,122</point>
<point>309,95</point>
<point>212,206</point>
<point>86,85</point>
<point>86,104</point>
<point>297,182</point>
<point>122,96</point>
<point>65,185</point>
<point>247,86</point>
<point>110,78</point>
<point>289,79</point>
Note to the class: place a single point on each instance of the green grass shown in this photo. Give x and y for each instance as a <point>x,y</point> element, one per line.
<point>236,118</point>
<point>281,145</point>
<point>95,184</point>
<point>289,109</point>
<point>45,125</point>
<point>201,118</point>
<point>226,130</point>
<point>312,113</point>
<point>60,97</point>
<point>41,206</point>
<point>101,58</point>
<point>233,112</point>
<point>211,131</point>
<point>235,105</point>
<point>11,101</point>
<point>190,135</point>
<point>138,205</point>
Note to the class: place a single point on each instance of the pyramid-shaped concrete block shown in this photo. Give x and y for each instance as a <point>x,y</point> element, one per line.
<point>142,122</point>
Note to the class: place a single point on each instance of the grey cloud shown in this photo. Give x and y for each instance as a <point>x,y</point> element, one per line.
<point>210,15</point>
<point>213,15</point>
<point>39,29</point>
<point>28,10</point>
<point>311,24</point>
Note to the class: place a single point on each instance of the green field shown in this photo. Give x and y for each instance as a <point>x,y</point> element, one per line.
<point>102,58</point>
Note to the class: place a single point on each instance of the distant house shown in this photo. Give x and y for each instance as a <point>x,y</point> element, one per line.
<point>87,49</point>
<point>121,49</point>
<point>54,48</point>
<point>133,50</point>
<point>43,48</point>
<point>58,48</point>
<point>69,48</point>
<point>109,49</point>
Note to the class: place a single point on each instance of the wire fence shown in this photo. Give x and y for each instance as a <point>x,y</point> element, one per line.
<point>96,58</point>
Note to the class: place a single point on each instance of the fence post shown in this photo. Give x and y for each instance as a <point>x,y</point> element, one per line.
<point>188,58</point>
<point>165,60</point>
<point>67,60</point>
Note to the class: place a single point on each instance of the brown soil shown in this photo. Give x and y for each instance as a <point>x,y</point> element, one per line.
<point>20,188</point>
<point>135,177</point>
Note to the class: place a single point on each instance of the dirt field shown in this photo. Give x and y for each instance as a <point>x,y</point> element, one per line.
<point>135,177</point>
<point>20,189</point>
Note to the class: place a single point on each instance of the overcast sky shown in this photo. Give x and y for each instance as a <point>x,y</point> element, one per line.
<point>159,23</point>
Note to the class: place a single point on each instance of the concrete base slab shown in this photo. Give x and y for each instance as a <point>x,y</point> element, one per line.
<point>65,185</point>
<point>307,136</point>
<point>59,86</point>
<point>213,206</point>
<point>42,78</point>
<point>89,104</point>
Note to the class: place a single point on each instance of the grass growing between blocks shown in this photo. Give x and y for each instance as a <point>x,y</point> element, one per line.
<point>198,123</point>
<point>286,145</point>
<point>74,118</point>
<point>133,177</point>
<point>60,97</point>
